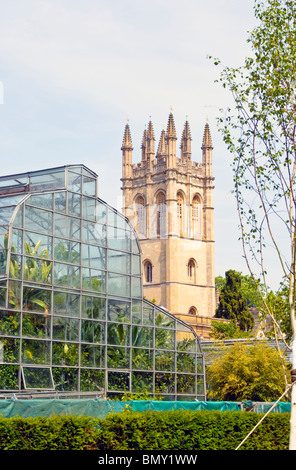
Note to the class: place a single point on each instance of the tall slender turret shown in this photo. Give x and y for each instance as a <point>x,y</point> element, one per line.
<point>127,149</point>
<point>171,138</point>
<point>186,143</point>
<point>162,148</point>
<point>150,143</point>
<point>207,148</point>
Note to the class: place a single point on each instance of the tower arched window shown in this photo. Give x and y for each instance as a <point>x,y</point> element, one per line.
<point>192,311</point>
<point>148,271</point>
<point>191,270</point>
<point>140,216</point>
<point>161,215</point>
<point>180,212</point>
<point>196,216</point>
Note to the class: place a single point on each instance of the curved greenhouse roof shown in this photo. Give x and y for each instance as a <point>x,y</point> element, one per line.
<point>72,316</point>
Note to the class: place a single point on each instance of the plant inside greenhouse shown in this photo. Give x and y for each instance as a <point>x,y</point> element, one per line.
<point>72,315</point>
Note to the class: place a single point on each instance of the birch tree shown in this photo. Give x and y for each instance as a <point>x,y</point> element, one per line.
<point>260,134</point>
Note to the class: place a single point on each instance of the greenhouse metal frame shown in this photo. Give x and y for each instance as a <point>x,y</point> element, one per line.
<point>72,314</point>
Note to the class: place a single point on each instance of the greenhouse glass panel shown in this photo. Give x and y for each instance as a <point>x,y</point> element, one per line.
<point>66,329</point>
<point>35,244</point>
<point>74,204</point>
<point>93,280</point>
<point>9,377</point>
<point>93,256</point>
<point>119,239</point>
<point>3,294</point>
<point>10,201</point>
<point>66,275</point>
<point>3,262</point>
<point>142,336</point>
<point>119,310</point>
<point>67,251</point>
<point>60,202</point>
<point>118,334</point>
<point>37,377</point>
<point>92,355</point>
<point>64,353</point>
<point>37,326</point>
<point>14,294</point>
<point>6,214</point>
<point>136,265</point>
<point>72,314</point>
<point>164,360</point>
<point>89,186</point>
<point>18,220</point>
<point>142,359</point>
<point>136,287</point>
<point>118,357</point>
<point>142,381</point>
<point>94,233</point>
<point>65,379</point>
<point>119,381</point>
<point>74,182</point>
<point>89,208</point>
<point>36,270</point>
<point>119,283</point>
<point>36,299</point>
<point>92,331</point>
<point>186,383</point>
<point>65,303</point>
<point>16,241</point>
<point>48,180</point>
<point>67,227</point>
<point>186,362</point>
<point>9,323</point>
<point>41,200</point>
<point>9,350</point>
<point>92,380</point>
<point>35,351</point>
<point>101,213</point>
<point>165,383</point>
<point>93,307</point>
<point>15,266</point>
<point>38,220</point>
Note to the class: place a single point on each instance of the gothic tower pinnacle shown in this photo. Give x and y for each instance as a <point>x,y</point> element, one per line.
<point>171,138</point>
<point>150,142</point>
<point>127,148</point>
<point>207,148</point>
<point>186,142</point>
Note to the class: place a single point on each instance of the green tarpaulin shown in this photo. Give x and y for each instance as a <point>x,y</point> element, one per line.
<point>99,408</point>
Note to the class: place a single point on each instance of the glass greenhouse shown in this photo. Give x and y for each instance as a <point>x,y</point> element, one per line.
<point>72,316</point>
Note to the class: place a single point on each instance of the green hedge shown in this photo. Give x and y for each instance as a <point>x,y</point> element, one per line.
<point>54,433</point>
<point>148,430</point>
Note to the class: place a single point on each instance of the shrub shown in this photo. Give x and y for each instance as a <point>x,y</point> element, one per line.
<point>54,433</point>
<point>147,430</point>
<point>192,430</point>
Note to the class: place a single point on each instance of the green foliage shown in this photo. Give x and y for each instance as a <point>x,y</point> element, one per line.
<point>147,430</point>
<point>192,430</point>
<point>259,133</point>
<point>54,433</point>
<point>264,300</point>
<point>222,330</point>
<point>232,304</point>
<point>246,372</point>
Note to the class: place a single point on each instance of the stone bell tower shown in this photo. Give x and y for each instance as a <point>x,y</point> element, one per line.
<point>169,201</point>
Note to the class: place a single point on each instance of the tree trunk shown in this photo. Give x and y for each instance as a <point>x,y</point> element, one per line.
<point>292,442</point>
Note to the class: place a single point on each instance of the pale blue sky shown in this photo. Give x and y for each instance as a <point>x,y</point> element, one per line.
<point>72,72</point>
